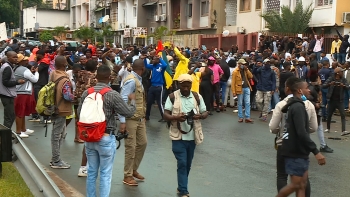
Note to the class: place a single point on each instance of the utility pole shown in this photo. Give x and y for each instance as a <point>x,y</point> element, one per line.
<point>21,17</point>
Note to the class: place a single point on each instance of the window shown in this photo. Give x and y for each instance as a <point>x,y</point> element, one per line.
<point>134,13</point>
<point>258,4</point>
<point>162,8</point>
<point>189,10</point>
<point>204,8</point>
<point>244,5</point>
<point>324,2</point>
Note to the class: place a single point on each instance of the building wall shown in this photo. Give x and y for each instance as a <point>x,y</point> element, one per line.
<point>56,18</point>
<point>253,16</point>
<point>341,7</point>
<point>29,19</point>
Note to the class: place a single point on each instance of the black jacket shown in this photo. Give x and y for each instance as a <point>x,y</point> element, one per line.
<point>43,70</point>
<point>296,139</point>
<point>224,66</point>
<point>326,85</point>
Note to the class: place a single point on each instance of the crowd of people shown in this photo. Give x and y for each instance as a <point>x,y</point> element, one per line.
<point>203,81</point>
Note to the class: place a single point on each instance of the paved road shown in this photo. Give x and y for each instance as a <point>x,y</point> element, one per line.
<point>236,159</point>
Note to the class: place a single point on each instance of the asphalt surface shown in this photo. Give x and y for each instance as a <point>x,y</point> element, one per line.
<point>236,159</point>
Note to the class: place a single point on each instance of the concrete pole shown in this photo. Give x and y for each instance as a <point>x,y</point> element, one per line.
<point>21,18</point>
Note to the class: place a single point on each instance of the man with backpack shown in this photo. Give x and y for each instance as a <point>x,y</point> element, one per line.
<point>63,99</point>
<point>135,144</point>
<point>184,109</point>
<point>101,143</point>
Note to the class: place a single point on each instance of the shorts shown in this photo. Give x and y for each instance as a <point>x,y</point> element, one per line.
<point>296,166</point>
<point>24,105</point>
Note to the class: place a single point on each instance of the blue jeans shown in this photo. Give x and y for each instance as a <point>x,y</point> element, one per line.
<point>346,99</point>
<point>223,90</point>
<point>274,100</point>
<point>320,134</point>
<point>246,97</point>
<point>324,102</point>
<point>100,156</point>
<point>183,151</point>
<point>318,56</point>
<point>341,57</point>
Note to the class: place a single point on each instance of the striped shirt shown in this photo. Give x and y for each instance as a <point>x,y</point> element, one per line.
<point>113,104</point>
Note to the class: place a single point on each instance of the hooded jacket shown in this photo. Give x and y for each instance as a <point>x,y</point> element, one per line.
<point>327,84</point>
<point>296,138</point>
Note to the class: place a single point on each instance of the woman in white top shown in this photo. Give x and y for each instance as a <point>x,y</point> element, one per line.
<point>232,65</point>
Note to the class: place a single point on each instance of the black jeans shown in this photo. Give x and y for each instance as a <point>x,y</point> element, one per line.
<point>9,110</point>
<point>155,93</point>
<point>332,106</point>
<point>282,176</point>
<point>216,91</point>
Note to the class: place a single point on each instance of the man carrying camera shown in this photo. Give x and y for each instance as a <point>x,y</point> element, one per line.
<point>184,109</point>
<point>135,127</point>
<point>336,85</point>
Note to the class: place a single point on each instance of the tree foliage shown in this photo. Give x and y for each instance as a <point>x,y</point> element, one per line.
<point>59,31</point>
<point>296,21</point>
<point>84,33</point>
<point>10,10</point>
<point>45,36</point>
<point>160,32</point>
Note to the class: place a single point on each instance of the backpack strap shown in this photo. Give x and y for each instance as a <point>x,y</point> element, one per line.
<point>91,90</point>
<point>104,90</point>
<point>196,96</point>
<point>172,98</point>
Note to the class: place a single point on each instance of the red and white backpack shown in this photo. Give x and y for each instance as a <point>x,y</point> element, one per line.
<point>92,121</point>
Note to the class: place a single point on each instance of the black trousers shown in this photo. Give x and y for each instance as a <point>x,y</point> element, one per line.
<point>332,106</point>
<point>282,176</point>
<point>155,93</point>
<point>206,90</point>
<point>9,110</point>
<point>216,91</point>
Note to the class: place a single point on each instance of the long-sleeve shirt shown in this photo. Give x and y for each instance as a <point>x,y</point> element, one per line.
<point>335,46</point>
<point>318,44</point>
<point>6,78</point>
<point>67,91</point>
<point>123,73</point>
<point>157,78</point>
<point>345,43</point>
<point>128,88</point>
<point>182,66</point>
<point>113,104</point>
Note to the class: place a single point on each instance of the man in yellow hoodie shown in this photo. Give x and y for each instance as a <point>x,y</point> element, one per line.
<point>335,47</point>
<point>182,66</point>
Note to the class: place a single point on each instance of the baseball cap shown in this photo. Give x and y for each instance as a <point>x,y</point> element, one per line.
<point>21,57</point>
<point>184,78</point>
<point>266,60</point>
<point>241,61</point>
<point>301,59</point>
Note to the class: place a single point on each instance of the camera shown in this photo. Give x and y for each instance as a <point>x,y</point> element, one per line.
<point>189,117</point>
<point>119,136</point>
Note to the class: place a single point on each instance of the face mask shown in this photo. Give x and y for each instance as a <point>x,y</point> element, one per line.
<point>303,97</point>
<point>241,66</point>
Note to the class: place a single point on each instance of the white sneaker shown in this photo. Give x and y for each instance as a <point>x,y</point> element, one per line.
<point>29,131</point>
<point>23,135</point>
<point>82,172</point>
<point>235,111</point>
<point>326,131</point>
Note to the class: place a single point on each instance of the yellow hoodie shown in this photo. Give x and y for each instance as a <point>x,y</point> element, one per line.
<point>182,66</point>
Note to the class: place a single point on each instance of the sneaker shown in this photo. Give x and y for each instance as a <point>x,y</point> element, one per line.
<point>326,131</point>
<point>29,131</point>
<point>46,121</point>
<point>23,135</point>
<point>34,120</point>
<point>235,111</point>
<point>345,133</point>
<point>326,149</point>
<point>82,171</point>
<point>59,165</point>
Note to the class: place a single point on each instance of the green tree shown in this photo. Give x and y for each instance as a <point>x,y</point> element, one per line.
<point>296,21</point>
<point>160,32</point>
<point>59,31</point>
<point>84,33</point>
<point>10,10</point>
<point>45,36</point>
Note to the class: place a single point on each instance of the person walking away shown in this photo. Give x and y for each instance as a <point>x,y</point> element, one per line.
<point>63,101</point>
<point>232,65</point>
<point>223,80</point>
<point>8,91</point>
<point>101,154</point>
<point>277,126</point>
<point>315,89</point>
<point>205,86</point>
<point>218,73</point>
<point>184,137</point>
<point>155,92</point>
<point>241,88</point>
<point>296,143</point>
<point>337,86</point>
<point>25,101</point>
<point>43,70</point>
<point>284,76</point>
<point>265,87</point>
<point>135,144</point>
<point>324,73</point>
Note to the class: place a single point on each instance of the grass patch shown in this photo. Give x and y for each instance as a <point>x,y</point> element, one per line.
<point>11,182</point>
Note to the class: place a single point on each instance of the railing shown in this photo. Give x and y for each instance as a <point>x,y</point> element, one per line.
<point>31,170</point>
